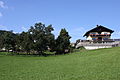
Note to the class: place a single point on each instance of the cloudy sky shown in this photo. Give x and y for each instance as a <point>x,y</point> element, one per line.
<point>77,16</point>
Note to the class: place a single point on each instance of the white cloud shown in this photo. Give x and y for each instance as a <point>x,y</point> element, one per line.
<point>24,29</point>
<point>2,5</point>
<point>15,32</point>
<point>115,35</point>
<point>76,33</point>
<point>1,14</point>
<point>3,27</point>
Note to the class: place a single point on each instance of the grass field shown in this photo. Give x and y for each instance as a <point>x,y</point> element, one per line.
<point>103,64</point>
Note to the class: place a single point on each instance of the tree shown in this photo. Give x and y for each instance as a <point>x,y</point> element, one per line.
<point>17,43</point>
<point>9,41</point>
<point>50,37</point>
<point>39,37</point>
<point>25,42</point>
<point>42,37</point>
<point>62,42</point>
<point>2,38</point>
<point>1,42</point>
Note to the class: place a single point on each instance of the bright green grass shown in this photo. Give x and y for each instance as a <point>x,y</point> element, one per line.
<point>103,64</point>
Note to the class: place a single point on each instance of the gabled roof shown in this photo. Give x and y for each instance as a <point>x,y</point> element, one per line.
<point>98,29</point>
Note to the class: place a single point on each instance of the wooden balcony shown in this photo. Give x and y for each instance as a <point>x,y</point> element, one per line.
<point>98,40</point>
<point>103,41</point>
<point>100,35</point>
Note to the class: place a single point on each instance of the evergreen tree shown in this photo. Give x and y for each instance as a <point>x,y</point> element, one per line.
<point>63,42</point>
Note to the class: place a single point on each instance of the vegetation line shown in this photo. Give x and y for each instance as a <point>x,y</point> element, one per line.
<point>36,41</point>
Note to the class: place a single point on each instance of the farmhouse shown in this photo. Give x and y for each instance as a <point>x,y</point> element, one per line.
<point>99,34</point>
<point>98,37</point>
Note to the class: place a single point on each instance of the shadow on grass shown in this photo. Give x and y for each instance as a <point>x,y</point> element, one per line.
<point>44,54</point>
<point>25,55</point>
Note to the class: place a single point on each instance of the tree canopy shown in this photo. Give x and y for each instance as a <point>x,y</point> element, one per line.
<point>36,40</point>
<point>63,42</point>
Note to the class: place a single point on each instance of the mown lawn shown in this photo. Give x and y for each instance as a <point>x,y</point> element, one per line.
<point>103,64</point>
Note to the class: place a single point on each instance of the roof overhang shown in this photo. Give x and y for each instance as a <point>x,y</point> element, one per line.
<point>98,29</point>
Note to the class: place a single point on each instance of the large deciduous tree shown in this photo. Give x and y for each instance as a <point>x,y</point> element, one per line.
<point>37,39</point>
<point>50,38</point>
<point>26,42</point>
<point>42,37</point>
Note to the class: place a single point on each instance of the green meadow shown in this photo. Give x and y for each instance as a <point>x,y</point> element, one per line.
<point>102,64</point>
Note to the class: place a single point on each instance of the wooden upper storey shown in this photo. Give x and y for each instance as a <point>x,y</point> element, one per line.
<point>99,31</point>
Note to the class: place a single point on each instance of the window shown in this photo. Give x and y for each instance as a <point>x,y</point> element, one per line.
<point>105,32</point>
<point>105,38</point>
<point>93,38</point>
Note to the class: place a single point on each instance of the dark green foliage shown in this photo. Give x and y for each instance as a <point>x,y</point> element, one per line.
<point>37,40</point>
<point>63,42</point>
<point>41,36</point>
<point>26,42</point>
<point>50,38</point>
<point>1,41</point>
<point>2,33</point>
<point>7,40</point>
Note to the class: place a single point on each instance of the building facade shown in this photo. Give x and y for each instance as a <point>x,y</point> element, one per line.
<point>98,37</point>
<point>99,33</point>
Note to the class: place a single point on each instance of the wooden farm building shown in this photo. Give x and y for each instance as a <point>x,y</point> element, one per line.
<point>98,37</point>
<point>99,34</point>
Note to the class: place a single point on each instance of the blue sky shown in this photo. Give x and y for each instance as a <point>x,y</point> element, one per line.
<point>77,16</point>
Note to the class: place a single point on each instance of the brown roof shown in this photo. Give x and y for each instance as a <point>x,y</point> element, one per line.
<point>98,29</point>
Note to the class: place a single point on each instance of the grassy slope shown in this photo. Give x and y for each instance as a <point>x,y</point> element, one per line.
<point>103,64</point>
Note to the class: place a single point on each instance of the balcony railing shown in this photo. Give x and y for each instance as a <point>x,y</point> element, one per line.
<point>103,40</point>
<point>98,40</point>
<point>100,34</point>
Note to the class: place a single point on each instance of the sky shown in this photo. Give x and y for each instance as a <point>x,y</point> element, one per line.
<point>76,16</point>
